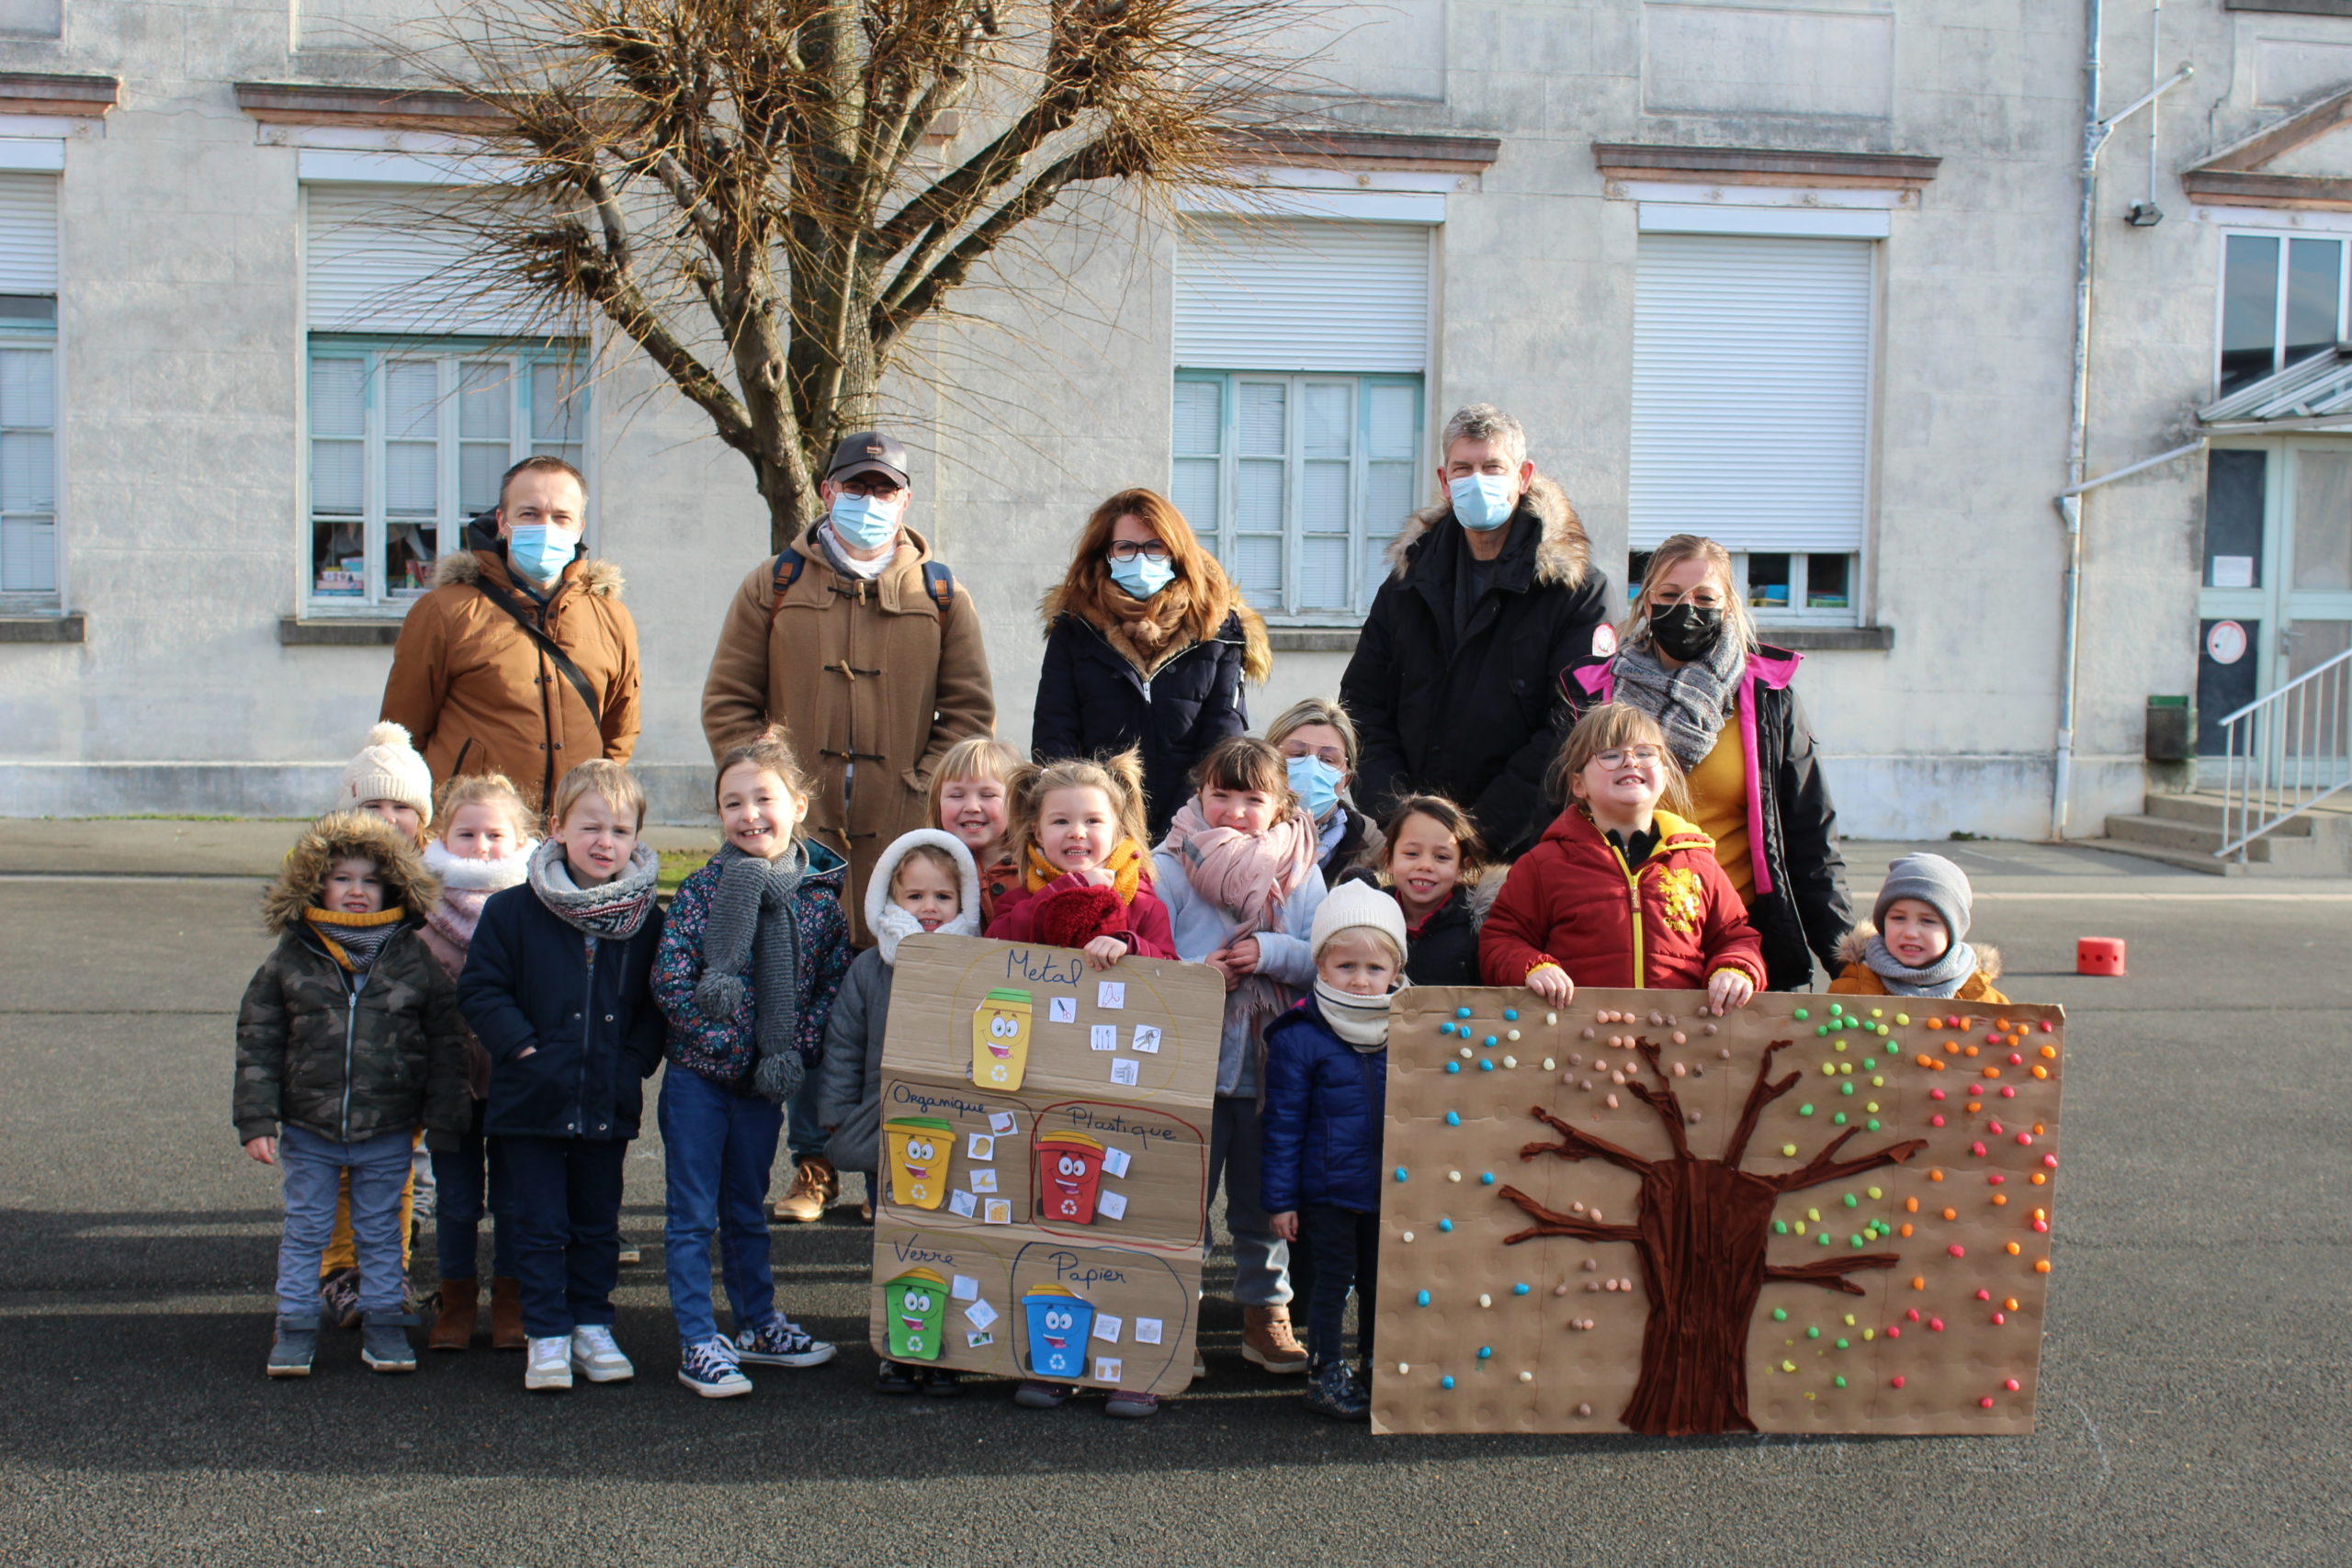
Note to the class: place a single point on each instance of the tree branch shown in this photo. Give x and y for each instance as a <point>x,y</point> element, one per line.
<point>1830,1273</point>
<point>1761,1092</point>
<point>1577,1144</point>
<point>1550,1224</point>
<point>1821,1170</point>
<point>1661,1099</point>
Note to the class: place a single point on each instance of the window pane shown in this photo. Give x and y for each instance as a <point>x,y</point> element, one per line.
<point>486,402</point>
<point>411,387</point>
<point>338,561</point>
<point>2235,486</point>
<point>1260,422</point>
<point>412,478</point>
<point>1258,499</point>
<point>28,555</point>
<point>1768,581</point>
<point>336,476</point>
<point>2312,267</point>
<point>568,451</point>
<point>25,388</point>
<point>1257,569</point>
<point>1828,583</point>
<point>2249,309</point>
<point>1323,573</point>
<point>1323,503</point>
<point>2323,521</point>
<point>559,401</point>
<point>1387,499</point>
<point>408,561</point>
<point>338,397</point>
<point>1330,421</point>
<point>1200,415</point>
<point>1396,418</point>
<point>25,482</point>
<point>480,465</point>
<point>1195,493</point>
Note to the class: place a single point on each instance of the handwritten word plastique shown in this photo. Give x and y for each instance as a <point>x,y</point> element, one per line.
<point>1104,1119</point>
<point>906,1094</point>
<point>1039,969</point>
<point>1067,1270</point>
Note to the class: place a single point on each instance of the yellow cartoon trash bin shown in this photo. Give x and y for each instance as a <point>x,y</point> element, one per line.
<point>1001,1039</point>
<point>915,1303</point>
<point>920,1150</point>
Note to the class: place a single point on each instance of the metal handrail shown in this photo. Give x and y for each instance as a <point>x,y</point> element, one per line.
<point>2285,752</point>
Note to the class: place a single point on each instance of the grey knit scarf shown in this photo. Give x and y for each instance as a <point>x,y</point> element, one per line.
<point>751,924</point>
<point>1941,978</point>
<point>1690,703</point>
<point>613,911</point>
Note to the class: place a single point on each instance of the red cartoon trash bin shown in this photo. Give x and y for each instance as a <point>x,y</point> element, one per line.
<point>1069,1171</point>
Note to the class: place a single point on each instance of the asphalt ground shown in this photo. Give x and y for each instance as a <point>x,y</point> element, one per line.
<point>2193,1407</point>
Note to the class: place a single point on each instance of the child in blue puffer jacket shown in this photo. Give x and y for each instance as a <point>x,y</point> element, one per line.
<point>1326,1090</point>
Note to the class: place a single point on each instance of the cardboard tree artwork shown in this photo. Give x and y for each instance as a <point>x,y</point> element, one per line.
<point>1810,1214</point>
<point>1045,1141</point>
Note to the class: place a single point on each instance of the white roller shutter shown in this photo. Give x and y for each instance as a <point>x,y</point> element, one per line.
<point>1302,294</point>
<point>1751,391</point>
<point>376,262</point>
<point>28,233</point>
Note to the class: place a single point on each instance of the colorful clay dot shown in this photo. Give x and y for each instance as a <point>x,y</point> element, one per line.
<point>1445,1028</point>
<point>1445,1225</point>
<point>1903,1018</point>
<point>1789,1151</point>
<point>1836,1007</point>
<point>1844,1089</point>
<point>1892,1382</point>
<point>1802,1014</point>
<point>1872,1124</point>
<point>1445,1383</point>
<point>1453,1067</point>
<point>2012,1248</point>
<point>2010,1384</point>
<point>1489,1041</point>
<point>1486,1178</point>
<point>1839,1119</point>
<point>1420,1298</point>
<point>1520,1289</point>
<point>1487,1065</point>
<point>1461,1012</point>
<point>1839,1382</point>
<point>1852,1201</point>
<point>1958,1251</point>
<point>1510,1015</point>
<point>1842,1345</point>
<point>1874,1193</point>
<point>1813,1334</point>
<point>1454,1119</point>
<point>1855,1241</point>
<point>1486,1352</point>
<point>1805,1109</point>
<point>1788,1366</point>
<point>1986,1401</point>
<point>1510,1034</point>
<point>1780,1314</point>
<point>1400,1173</point>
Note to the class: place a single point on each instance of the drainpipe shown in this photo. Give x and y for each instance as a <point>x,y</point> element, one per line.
<point>2095,131</point>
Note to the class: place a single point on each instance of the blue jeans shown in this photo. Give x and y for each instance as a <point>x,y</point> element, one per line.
<point>718,1146</point>
<point>803,1134</point>
<point>463,1196</point>
<point>1236,1160</point>
<point>1345,1245</point>
<point>312,1168</point>
<point>563,1203</point>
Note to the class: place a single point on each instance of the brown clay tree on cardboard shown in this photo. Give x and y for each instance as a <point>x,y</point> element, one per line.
<point>1702,1232</point>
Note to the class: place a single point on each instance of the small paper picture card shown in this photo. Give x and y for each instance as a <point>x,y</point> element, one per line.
<point>1062,1009</point>
<point>1124,1073</point>
<point>1004,1123</point>
<point>981,1314</point>
<point>1105,1037</point>
<point>1111,1205</point>
<point>984,1181</point>
<point>1110,995</point>
<point>975,1340</point>
<point>1147,1039</point>
<point>1116,1162</point>
<point>999,1212</point>
<point>962,1202</point>
<point>963,1288</point>
<point>1147,1331</point>
<point>981,1146</point>
<point>1106,1329</point>
<point>1106,1369</point>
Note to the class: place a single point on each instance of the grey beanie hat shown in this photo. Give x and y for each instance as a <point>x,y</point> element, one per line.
<point>1935,881</point>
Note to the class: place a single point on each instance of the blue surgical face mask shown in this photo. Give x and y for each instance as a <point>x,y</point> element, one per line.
<point>1483,502</point>
<point>1143,576</point>
<point>540,552</point>
<point>862,523</point>
<point>1317,784</point>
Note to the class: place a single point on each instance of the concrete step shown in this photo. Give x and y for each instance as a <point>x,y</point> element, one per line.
<point>2211,811</point>
<point>2184,860</point>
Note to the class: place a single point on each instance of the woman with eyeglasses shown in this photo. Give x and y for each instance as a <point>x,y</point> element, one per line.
<point>1688,657</point>
<point>1147,645</point>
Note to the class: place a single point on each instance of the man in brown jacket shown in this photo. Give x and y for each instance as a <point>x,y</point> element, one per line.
<point>869,654</point>
<point>521,660</point>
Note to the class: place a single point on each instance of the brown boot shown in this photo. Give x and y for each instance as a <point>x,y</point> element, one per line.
<point>454,1329</point>
<point>1266,1339</point>
<point>506,1315</point>
<point>815,1185</point>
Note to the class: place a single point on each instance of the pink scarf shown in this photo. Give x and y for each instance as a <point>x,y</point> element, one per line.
<point>1250,876</point>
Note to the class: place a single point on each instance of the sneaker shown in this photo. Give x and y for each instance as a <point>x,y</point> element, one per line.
<point>383,1343</point>
<point>339,1298</point>
<point>595,1357</point>
<point>815,1185</point>
<point>1129,1406</point>
<point>1266,1340</point>
<point>290,1351</point>
<point>897,1377</point>
<point>780,1342</point>
<point>710,1371</point>
<point>942,1382</point>
<point>1035,1395</point>
<point>1331,1390</point>
<point>548,1363</point>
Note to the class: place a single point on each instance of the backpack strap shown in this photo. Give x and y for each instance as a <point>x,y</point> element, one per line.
<point>788,565</point>
<point>940,583</point>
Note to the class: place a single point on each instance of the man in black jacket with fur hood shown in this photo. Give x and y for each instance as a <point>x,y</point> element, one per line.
<point>1454,683</point>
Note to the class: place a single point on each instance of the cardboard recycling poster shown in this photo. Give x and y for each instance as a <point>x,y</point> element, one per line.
<point>1813,1213</point>
<point>1044,1163</point>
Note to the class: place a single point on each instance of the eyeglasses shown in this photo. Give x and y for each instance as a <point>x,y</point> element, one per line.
<point>1330,755</point>
<point>1645,755</point>
<point>1125,550</point>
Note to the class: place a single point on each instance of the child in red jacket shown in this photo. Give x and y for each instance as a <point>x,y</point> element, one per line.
<point>1619,893</point>
<point>1078,836</point>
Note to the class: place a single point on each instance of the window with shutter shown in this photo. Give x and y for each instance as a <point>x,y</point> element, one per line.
<point>1751,410</point>
<point>28,569</point>
<point>1300,348</point>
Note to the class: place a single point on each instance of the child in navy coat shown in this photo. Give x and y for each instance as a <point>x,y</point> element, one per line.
<point>1327,1085</point>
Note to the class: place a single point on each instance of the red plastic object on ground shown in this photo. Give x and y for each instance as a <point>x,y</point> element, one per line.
<point>2098,955</point>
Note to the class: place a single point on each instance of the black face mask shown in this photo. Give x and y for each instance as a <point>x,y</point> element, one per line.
<point>1687,632</point>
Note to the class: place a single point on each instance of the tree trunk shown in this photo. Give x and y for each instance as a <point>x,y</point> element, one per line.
<point>1704,1228</point>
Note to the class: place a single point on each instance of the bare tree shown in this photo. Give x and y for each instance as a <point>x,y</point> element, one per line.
<point>754,192</point>
<point>1700,1234</point>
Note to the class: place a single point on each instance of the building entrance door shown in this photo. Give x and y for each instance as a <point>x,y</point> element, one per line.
<point>2276,599</point>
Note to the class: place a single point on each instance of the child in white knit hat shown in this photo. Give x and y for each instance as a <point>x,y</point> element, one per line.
<point>1327,1083</point>
<point>390,779</point>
